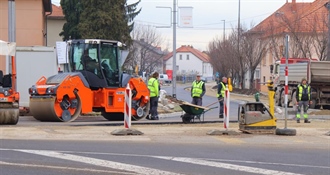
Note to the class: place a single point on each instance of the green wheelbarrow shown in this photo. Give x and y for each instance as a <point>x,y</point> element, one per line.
<point>194,111</point>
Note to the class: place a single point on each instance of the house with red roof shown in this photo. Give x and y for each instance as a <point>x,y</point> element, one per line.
<point>189,61</point>
<point>55,22</point>
<point>306,25</point>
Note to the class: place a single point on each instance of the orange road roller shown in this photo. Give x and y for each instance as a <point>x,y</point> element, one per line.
<point>93,82</point>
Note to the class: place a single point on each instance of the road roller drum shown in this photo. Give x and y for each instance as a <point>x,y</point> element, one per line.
<point>48,109</point>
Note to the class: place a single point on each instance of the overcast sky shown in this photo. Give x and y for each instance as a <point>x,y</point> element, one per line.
<point>208,16</point>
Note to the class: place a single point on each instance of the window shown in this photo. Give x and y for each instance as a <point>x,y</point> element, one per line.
<point>98,59</point>
<point>264,79</point>
<point>180,57</point>
<point>257,74</point>
<point>187,57</point>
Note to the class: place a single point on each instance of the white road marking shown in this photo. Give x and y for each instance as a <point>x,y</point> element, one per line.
<point>199,161</point>
<point>63,168</point>
<point>222,160</point>
<point>227,166</point>
<point>270,163</point>
<point>98,162</point>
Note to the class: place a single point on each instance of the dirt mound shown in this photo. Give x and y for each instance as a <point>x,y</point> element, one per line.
<point>245,91</point>
<point>172,99</point>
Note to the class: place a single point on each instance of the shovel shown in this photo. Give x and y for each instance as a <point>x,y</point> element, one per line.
<point>214,103</point>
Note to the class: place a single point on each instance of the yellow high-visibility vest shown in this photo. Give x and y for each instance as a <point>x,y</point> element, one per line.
<point>153,87</point>
<point>301,92</point>
<point>197,88</point>
<point>223,89</point>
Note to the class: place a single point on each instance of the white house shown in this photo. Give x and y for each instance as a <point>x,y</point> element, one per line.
<point>189,61</point>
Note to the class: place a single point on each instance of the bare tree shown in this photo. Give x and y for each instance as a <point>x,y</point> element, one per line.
<point>225,57</point>
<point>218,57</point>
<point>254,49</point>
<point>308,33</point>
<point>145,51</point>
<point>319,26</point>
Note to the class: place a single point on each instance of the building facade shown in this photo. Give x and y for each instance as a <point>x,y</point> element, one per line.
<point>190,61</point>
<point>30,23</point>
<point>306,25</point>
<point>55,22</point>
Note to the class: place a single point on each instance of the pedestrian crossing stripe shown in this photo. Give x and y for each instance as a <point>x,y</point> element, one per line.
<point>129,168</point>
<point>99,162</point>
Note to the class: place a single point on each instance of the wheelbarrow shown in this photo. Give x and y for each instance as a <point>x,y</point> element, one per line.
<point>194,111</point>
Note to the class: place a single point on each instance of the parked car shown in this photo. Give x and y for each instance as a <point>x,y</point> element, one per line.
<point>163,78</point>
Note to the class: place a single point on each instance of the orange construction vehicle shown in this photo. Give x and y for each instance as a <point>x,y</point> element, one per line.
<point>93,83</point>
<point>9,98</point>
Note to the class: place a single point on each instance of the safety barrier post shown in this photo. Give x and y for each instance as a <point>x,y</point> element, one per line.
<point>226,103</point>
<point>286,131</point>
<point>128,107</point>
<point>127,116</point>
<point>226,108</point>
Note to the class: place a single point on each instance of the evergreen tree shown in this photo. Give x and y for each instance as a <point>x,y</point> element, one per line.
<point>100,19</point>
<point>71,10</point>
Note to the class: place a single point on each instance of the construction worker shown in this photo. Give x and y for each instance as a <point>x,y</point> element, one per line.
<point>303,96</point>
<point>197,92</point>
<point>153,86</point>
<point>221,95</point>
<point>89,63</point>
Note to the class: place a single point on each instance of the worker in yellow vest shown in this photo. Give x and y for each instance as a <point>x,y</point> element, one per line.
<point>153,86</point>
<point>221,95</point>
<point>303,96</point>
<point>197,91</point>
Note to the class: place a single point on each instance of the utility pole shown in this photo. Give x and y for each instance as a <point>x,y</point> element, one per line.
<point>238,34</point>
<point>174,51</point>
<point>11,30</point>
<point>224,30</point>
<point>174,25</point>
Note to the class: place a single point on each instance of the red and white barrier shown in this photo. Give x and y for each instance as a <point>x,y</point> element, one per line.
<point>226,102</point>
<point>128,107</point>
<point>286,87</point>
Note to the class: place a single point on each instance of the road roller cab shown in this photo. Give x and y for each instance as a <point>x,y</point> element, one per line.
<point>94,82</point>
<point>254,117</point>
<point>9,98</point>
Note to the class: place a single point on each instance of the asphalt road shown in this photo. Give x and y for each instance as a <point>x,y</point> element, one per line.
<point>207,156</point>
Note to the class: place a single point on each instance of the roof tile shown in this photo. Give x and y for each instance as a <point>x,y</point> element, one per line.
<point>184,49</point>
<point>301,16</point>
<point>57,12</point>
